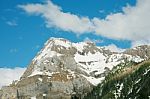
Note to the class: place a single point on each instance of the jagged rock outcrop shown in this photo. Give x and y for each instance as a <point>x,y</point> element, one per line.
<point>142,51</point>
<point>62,70</point>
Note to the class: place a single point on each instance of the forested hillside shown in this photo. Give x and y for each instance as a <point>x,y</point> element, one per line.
<point>126,81</point>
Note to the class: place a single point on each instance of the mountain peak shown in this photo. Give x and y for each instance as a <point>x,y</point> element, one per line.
<point>66,67</point>
<point>66,43</point>
<point>58,41</point>
<point>83,54</point>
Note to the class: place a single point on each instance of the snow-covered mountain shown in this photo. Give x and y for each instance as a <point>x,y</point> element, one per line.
<point>83,56</point>
<point>67,69</point>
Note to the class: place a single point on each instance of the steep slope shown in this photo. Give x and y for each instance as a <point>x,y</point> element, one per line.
<point>63,69</point>
<point>84,58</point>
<point>125,81</point>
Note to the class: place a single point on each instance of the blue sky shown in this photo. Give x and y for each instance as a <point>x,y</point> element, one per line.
<point>24,30</point>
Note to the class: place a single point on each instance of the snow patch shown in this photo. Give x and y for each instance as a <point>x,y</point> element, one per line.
<point>79,46</point>
<point>93,80</point>
<point>40,79</point>
<point>38,72</point>
<point>63,42</point>
<point>44,94</point>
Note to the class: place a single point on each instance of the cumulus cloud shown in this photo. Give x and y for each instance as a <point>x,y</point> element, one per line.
<point>8,75</point>
<point>96,41</point>
<point>114,48</point>
<point>55,17</point>
<point>133,24</point>
<point>140,42</point>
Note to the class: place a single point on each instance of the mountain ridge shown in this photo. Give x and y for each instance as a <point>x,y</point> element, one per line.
<point>76,67</point>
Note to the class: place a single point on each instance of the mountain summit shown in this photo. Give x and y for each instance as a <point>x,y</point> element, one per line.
<point>63,69</point>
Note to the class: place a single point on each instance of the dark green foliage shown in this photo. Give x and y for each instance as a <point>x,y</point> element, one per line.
<point>135,85</point>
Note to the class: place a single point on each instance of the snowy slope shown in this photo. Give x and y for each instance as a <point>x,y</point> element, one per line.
<point>91,62</point>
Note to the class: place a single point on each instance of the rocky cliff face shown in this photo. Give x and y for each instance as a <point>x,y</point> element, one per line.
<point>63,70</point>
<point>142,51</point>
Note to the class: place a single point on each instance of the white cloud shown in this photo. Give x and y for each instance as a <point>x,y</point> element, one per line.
<point>12,23</point>
<point>96,41</point>
<point>140,42</point>
<point>114,48</point>
<point>55,17</point>
<point>133,24</point>
<point>8,75</point>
